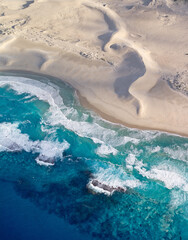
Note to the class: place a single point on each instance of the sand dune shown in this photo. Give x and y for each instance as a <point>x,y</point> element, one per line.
<point>128,59</point>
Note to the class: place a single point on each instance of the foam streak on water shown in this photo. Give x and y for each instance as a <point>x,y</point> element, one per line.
<point>93,173</point>
<point>13,140</point>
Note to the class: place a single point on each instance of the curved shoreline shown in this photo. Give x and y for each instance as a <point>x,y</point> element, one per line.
<point>83,101</point>
<point>115,59</point>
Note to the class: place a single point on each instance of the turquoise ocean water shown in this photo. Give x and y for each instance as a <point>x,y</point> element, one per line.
<point>65,173</point>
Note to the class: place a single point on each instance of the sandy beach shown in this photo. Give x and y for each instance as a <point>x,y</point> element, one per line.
<point>127,59</point>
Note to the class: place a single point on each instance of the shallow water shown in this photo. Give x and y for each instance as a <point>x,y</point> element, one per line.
<point>82,176</point>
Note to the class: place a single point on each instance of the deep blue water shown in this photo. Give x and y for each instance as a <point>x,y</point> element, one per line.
<point>65,173</point>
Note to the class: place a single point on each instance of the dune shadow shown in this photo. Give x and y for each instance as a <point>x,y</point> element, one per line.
<point>146,2</point>
<point>130,70</point>
<point>105,38</point>
<point>27,4</point>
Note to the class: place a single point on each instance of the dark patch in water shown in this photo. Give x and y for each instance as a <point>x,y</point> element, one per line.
<point>121,216</point>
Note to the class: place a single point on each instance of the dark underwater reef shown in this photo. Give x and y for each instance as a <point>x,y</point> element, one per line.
<point>121,216</point>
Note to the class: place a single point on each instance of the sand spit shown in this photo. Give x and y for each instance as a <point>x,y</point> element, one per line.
<point>128,59</point>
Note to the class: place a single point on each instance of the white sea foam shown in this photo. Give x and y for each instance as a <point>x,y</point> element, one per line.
<point>155,149</point>
<point>33,87</point>
<point>59,114</point>
<point>11,139</point>
<point>3,148</point>
<point>178,153</point>
<point>113,177</point>
<point>144,135</point>
<point>106,150</point>
<point>130,161</point>
<point>170,177</point>
<point>43,163</point>
<point>52,149</point>
<point>99,189</point>
<point>178,198</point>
<point>130,139</point>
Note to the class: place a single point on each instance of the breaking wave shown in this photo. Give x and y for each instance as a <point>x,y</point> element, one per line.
<point>42,119</point>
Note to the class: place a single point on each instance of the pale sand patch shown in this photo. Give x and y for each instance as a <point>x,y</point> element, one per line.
<point>117,55</point>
